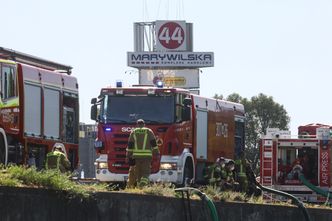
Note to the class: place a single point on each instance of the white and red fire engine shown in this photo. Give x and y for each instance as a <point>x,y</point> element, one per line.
<point>282,157</point>
<point>38,108</point>
<point>192,131</point>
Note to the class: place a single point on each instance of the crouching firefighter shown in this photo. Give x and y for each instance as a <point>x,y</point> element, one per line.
<point>57,159</point>
<point>214,173</point>
<point>141,146</point>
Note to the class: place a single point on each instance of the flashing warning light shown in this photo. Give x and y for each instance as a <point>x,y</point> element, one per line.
<point>160,84</point>
<point>108,129</point>
<point>119,84</point>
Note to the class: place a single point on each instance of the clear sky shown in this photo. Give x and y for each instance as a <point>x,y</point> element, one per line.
<point>282,48</point>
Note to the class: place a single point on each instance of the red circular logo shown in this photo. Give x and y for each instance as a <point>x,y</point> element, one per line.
<point>171,35</point>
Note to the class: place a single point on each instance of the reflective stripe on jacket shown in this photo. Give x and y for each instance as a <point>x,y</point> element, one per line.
<point>141,137</point>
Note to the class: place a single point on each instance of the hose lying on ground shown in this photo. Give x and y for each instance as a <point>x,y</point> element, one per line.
<point>204,197</point>
<point>295,200</point>
<point>313,187</point>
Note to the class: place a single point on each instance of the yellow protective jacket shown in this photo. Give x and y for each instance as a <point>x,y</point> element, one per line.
<point>57,160</point>
<point>141,143</point>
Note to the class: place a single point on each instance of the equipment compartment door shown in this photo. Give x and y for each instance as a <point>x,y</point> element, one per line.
<point>51,113</point>
<point>32,110</point>
<point>201,133</point>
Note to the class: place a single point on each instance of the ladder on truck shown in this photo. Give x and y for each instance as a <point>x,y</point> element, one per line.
<point>267,167</point>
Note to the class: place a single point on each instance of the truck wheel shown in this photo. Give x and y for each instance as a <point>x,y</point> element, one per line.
<point>187,174</point>
<point>3,152</point>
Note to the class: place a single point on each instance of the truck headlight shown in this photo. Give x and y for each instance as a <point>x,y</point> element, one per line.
<point>168,166</point>
<point>102,165</point>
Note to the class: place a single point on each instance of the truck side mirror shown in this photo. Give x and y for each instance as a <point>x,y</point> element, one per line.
<point>187,102</point>
<point>93,100</point>
<point>93,113</point>
<point>186,113</point>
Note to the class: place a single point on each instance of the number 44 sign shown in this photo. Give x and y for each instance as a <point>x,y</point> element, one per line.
<point>170,35</point>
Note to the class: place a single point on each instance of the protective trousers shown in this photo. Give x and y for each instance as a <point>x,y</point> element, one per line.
<point>141,169</point>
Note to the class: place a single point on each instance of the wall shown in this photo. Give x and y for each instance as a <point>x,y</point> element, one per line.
<point>40,204</point>
<point>87,153</point>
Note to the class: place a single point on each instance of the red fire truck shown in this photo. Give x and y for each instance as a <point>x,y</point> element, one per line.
<point>192,131</point>
<point>38,108</point>
<point>282,157</point>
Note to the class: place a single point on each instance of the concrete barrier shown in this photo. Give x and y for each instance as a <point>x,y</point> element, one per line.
<point>40,204</point>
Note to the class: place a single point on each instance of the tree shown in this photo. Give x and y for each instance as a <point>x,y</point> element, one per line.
<point>261,112</point>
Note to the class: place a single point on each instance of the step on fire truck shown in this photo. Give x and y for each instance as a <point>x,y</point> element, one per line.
<point>38,108</point>
<point>192,131</point>
<point>283,157</point>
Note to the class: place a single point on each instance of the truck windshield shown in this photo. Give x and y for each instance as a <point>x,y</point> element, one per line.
<point>127,109</point>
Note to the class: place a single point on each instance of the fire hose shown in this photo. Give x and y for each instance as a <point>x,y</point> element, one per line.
<point>204,198</point>
<point>313,187</point>
<point>295,201</point>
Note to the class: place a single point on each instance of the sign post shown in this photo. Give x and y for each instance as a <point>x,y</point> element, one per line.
<point>164,52</point>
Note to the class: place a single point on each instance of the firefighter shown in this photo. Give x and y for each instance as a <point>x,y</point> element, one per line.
<point>57,159</point>
<point>240,169</point>
<point>141,146</point>
<point>214,172</point>
<point>227,176</point>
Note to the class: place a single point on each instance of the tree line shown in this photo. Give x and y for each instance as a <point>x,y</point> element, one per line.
<point>261,112</point>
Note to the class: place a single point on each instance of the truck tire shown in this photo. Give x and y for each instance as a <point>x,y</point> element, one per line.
<point>187,173</point>
<point>3,151</point>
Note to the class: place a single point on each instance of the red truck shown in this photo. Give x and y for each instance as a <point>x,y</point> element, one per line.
<point>192,131</point>
<point>310,152</point>
<point>38,108</point>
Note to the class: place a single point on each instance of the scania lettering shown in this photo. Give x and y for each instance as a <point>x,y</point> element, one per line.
<point>192,131</point>
<point>38,108</point>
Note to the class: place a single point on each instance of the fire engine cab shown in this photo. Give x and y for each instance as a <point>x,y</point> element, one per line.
<point>300,166</point>
<point>192,131</point>
<point>38,108</point>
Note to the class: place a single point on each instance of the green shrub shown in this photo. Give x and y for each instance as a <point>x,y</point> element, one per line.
<point>50,179</point>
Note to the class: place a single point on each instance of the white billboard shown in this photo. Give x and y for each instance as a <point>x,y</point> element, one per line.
<point>182,78</point>
<point>170,59</point>
<point>171,36</point>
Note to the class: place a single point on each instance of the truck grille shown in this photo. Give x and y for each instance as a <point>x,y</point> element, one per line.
<point>117,154</point>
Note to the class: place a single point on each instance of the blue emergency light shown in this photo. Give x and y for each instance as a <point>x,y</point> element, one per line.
<point>108,129</point>
<point>160,84</point>
<point>119,84</point>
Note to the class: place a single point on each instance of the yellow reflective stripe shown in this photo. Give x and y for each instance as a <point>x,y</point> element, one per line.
<point>144,142</point>
<point>155,148</point>
<point>7,61</point>
<point>11,102</point>
<point>142,151</point>
<point>130,150</point>
<point>147,153</point>
<point>141,131</point>
<point>135,141</point>
<point>142,154</point>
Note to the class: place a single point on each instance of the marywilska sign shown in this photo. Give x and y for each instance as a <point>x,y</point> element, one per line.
<point>170,59</point>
